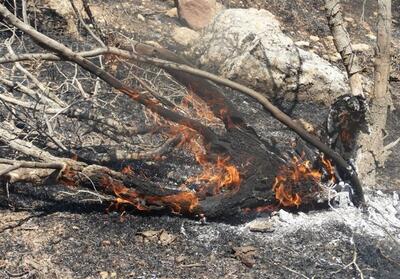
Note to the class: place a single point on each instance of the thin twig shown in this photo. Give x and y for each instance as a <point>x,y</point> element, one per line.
<point>32,165</point>
<point>291,270</point>
<point>354,263</point>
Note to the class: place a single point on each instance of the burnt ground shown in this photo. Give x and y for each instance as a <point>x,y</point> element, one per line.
<point>45,233</point>
<point>52,235</point>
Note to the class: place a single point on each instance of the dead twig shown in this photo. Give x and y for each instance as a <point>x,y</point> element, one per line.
<point>26,164</point>
<point>52,45</point>
<point>354,263</point>
<point>291,270</point>
<point>192,265</point>
<point>388,258</point>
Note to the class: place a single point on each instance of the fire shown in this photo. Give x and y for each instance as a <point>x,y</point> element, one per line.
<point>183,202</point>
<point>220,175</point>
<point>223,175</point>
<point>217,175</point>
<point>298,173</point>
<point>191,104</point>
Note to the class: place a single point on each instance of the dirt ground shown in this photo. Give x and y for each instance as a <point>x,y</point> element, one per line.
<point>47,234</point>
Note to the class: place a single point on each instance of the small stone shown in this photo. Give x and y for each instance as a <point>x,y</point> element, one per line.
<point>371,36</point>
<point>184,36</point>
<point>180,259</point>
<point>197,14</point>
<point>106,242</point>
<point>246,254</point>
<point>261,226</point>
<point>361,47</point>
<point>166,238</point>
<point>335,57</point>
<point>153,43</point>
<point>314,38</point>
<point>349,19</point>
<point>103,274</point>
<point>172,12</point>
<point>302,44</point>
<point>141,17</point>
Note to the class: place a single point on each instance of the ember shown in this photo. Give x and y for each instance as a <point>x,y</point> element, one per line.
<point>298,173</point>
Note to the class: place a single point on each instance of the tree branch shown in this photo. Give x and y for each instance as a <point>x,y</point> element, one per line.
<point>342,42</point>
<point>54,46</point>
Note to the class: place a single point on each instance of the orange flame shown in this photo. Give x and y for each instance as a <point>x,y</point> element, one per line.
<point>220,175</point>
<point>299,172</point>
<point>199,110</point>
<point>183,202</point>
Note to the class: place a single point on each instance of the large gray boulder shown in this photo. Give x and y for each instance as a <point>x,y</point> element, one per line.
<point>248,46</point>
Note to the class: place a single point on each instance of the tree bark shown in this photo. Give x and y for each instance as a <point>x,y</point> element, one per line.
<point>342,42</point>
<point>372,153</point>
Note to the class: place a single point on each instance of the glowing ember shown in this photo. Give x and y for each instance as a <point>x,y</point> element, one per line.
<point>127,170</point>
<point>298,173</point>
<point>184,202</point>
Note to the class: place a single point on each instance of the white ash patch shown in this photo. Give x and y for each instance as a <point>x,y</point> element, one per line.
<point>380,218</point>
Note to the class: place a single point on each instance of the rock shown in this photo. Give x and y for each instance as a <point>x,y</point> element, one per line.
<point>64,9</point>
<point>335,57</point>
<point>197,14</point>
<point>153,43</point>
<point>371,36</point>
<point>349,19</point>
<point>184,36</point>
<point>314,38</point>
<point>248,46</point>
<point>172,12</point>
<point>361,47</point>
<point>141,17</point>
<point>302,44</point>
<point>263,225</point>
